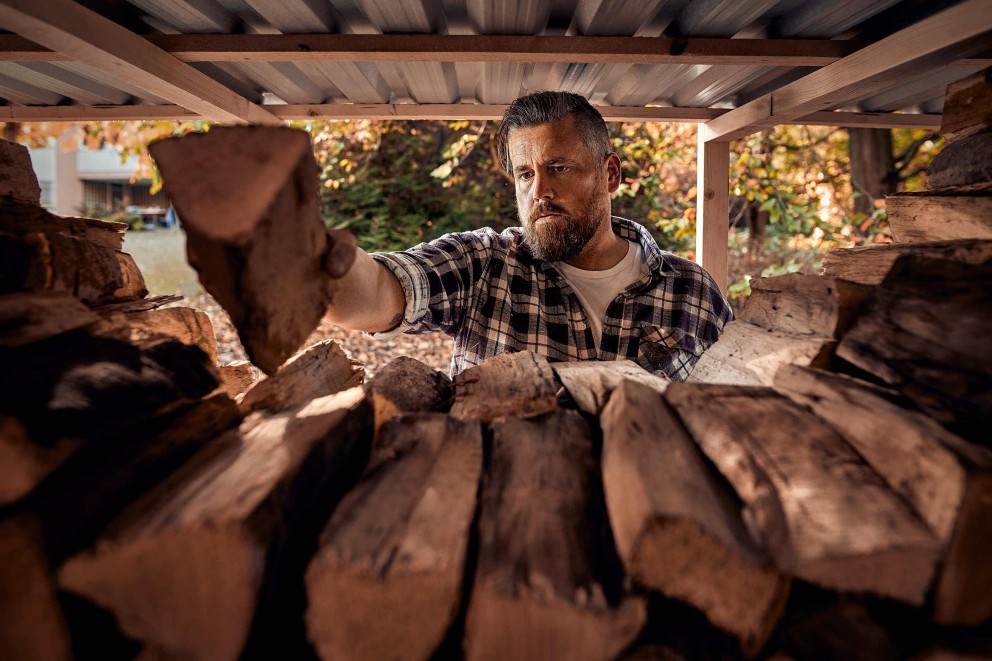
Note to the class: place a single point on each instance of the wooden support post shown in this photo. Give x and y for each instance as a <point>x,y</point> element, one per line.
<point>712,206</point>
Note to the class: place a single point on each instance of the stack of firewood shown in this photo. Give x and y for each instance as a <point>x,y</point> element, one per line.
<point>822,489</point>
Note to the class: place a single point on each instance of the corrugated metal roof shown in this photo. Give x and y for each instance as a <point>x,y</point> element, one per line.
<point>447,82</point>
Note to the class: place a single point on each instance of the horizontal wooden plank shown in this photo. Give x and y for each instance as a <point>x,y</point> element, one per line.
<point>957,32</point>
<point>448,111</point>
<point>85,36</point>
<point>473,48</point>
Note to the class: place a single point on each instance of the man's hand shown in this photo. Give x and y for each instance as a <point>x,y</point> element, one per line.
<point>365,295</point>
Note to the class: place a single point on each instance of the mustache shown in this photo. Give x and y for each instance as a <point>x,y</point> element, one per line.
<point>545,208</point>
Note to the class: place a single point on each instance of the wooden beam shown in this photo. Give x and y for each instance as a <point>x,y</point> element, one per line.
<point>473,48</point>
<point>712,206</point>
<point>470,111</point>
<point>957,32</point>
<point>85,36</point>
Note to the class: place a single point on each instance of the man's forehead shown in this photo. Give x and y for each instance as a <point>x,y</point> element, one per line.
<point>558,136</point>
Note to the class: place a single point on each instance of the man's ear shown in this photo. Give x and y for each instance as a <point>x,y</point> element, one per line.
<point>613,176</point>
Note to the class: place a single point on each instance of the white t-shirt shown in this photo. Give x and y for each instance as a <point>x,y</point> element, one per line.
<point>597,289</point>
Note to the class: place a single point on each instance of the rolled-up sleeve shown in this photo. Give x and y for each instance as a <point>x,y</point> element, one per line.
<point>437,279</point>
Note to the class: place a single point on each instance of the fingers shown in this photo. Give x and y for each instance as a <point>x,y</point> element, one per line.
<point>340,253</point>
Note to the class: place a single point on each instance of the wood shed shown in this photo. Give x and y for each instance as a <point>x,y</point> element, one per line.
<point>821,488</point>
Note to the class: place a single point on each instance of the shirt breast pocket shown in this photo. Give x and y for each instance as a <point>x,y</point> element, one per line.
<point>668,350</point>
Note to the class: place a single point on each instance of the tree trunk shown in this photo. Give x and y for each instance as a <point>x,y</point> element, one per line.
<point>872,167</point>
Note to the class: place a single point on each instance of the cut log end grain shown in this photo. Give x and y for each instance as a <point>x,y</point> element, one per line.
<point>544,584</point>
<point>184,566</point>
<point>259,247</point>
<point>845,529</point>
<point>17,177</point>
<point>804,304</point>
<point>387,580</point>
<point>555,630</point>
<point>678,530</point>
<point>870,264</point>
<point>518,384</point>
<point>170,569</point>
<point>237,377</point>
<point>922,217</point>
<point>967,107</point>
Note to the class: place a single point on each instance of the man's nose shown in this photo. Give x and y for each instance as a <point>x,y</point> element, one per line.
<point>542,188</point>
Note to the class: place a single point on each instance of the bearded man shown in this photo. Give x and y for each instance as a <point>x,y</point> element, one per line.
<point>573,283</point>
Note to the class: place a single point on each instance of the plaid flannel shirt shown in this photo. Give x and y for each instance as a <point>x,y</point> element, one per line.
<point>492,295</point>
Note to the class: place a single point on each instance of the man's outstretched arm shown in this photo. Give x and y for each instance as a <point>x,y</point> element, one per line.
<point>365,295</point>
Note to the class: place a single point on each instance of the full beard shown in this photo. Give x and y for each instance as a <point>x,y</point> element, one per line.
<point>561,238</point>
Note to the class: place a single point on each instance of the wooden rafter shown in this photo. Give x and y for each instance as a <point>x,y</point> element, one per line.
<point>83,35</point>
<point>473,48</point>
<point>471,111</point>
<point>960,31</point>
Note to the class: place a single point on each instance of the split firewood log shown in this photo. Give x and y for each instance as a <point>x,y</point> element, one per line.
<point>677,529</point>
<point>236,377</point>
<point>962,163</point>
<point>967,107</point>
<point>65,514</point>
<point>188,325</point>
<point>941,215</point>
<point>254,232</point>
<point>822,513</point>
<point>934,316</point>
<point>406,385</point>
<point>394,552</point>
<point>186,567</point>
<point>947,480</point>
<point>17,177</point>
<point>27,317</point>
<point>519,384</point>
<point>804,304</point>
<point>590,383</point>
<point>319,370</point>
<point>75,389</point>
<point>748,355</point>
<point>870,264</point>
<point>26,218</point>
<point>546,585</point>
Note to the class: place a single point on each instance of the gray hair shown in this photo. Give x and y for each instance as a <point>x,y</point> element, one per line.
<point>544,107</point>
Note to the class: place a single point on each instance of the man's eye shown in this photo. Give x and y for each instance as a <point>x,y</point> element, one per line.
<point>525,175</point>
<point>561,168</point>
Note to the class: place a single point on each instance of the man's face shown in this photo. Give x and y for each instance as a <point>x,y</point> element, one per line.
<point>563,190</point>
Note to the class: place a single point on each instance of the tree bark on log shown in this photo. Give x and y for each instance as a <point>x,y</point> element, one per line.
<point>186,566</point>
<point>518,384</point>
<point>967,107</point>
<point>821,512</point>
<point>546,582</point>
<point>870,264</point>
<point>945,479</point>
<point>319,370</point>
<point>260,247</point>
<point>935,315</point>
<point>923,217</point>
<point>406,385</point>
<point>395,550</point>
<point>677,529</point>
<point>17,177</point>
<point>590,383</point>
<point>804,304</point>
<point>748,355</point>
<point>962,163</point>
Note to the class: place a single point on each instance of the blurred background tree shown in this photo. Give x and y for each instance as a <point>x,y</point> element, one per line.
<point>796,190</point>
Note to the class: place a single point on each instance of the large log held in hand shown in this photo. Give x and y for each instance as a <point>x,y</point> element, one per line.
<point>248,200</point>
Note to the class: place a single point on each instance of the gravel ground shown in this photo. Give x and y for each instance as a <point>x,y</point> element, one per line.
<point>434,349</point>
